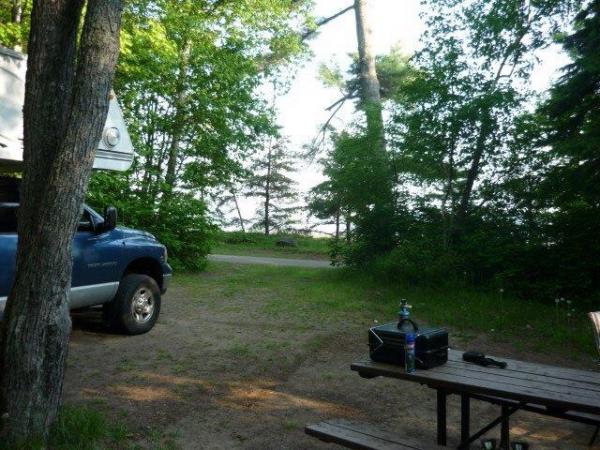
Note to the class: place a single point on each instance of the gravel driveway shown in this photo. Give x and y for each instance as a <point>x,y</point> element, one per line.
<point>282,262</point>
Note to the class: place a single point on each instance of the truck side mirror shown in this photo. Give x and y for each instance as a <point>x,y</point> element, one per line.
<point>110,218</point>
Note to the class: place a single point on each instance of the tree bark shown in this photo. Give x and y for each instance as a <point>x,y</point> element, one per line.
<point>66,103</point>
<point>178,121</point>
<point>484,132</point>
<point>369,82</point>
<point>17,11</point>
<point>268,194</point>
<point>239,212</point>
<point>348,228</point>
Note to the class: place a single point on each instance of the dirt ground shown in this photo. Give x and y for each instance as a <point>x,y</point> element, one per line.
<point>224,372</point>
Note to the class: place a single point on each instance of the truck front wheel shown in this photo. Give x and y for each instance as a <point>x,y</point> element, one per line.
<point>136,306</point>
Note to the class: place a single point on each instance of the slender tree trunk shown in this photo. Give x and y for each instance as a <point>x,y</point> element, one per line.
<point>178,121</point>
<point>463,208</point>
<point>337,225</point>
<point>268,195</point>
<point>447,216</point>
<point>348,228</point>
<point>369,82</point>
<point>17,11</point>
<point>65,111</point>
<point>150,140</point>
<point>239,212</point>
<point>486,128</point>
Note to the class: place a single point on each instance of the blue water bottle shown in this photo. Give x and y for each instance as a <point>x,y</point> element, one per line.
<point>409,353</point>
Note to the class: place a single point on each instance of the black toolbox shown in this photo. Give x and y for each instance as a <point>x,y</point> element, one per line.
<point>386,344</point>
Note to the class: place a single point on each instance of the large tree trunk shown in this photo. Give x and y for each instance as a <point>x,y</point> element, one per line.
<point>65,110</point>
<point>369,83</point>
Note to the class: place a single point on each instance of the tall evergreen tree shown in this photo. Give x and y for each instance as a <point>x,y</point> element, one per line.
<point>570,188</point>
<point>271,183</point>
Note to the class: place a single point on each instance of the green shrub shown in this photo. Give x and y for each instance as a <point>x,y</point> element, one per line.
<point>419,264</point>
<point>180,223</point>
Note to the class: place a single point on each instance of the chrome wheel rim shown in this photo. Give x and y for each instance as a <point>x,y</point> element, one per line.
<point>142,307</point>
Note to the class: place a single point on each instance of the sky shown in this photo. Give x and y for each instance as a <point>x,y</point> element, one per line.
<point>302,111</point>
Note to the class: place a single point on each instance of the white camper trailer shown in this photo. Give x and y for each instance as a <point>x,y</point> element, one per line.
<point>115,151</point>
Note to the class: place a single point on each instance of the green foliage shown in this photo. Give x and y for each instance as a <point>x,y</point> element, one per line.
<point>564,190</point>
<point>188,79</point>
<point>181,224</point>
<point>14,23</point>
<point>485,191</point>
<point>359,187</point>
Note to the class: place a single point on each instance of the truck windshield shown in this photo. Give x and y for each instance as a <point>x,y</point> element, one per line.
<point>8,217</point>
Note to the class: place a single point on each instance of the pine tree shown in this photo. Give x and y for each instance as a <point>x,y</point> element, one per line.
<point>325,204</point>
<point>270,182</point>
<point>570,189</point>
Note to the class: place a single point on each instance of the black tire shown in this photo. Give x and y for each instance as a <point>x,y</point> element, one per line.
<point>124,315</point>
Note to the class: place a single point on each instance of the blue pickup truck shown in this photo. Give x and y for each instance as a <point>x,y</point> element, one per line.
<point>124,270</point>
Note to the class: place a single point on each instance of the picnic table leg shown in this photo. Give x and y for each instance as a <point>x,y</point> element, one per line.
<point>441,416</point>
<point>505,428</point>
<point>465,418</point>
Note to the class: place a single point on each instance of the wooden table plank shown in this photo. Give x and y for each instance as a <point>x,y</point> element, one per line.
<point>361,437</point>
<point>549,382</point>
<point>501,379</point>
<point>576,399</point>
<point>563,373</point>
<point>518,378</point>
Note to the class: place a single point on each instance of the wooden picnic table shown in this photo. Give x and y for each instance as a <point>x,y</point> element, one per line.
<point>554,391</point>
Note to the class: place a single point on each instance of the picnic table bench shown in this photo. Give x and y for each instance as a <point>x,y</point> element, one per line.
<point>553,391</point>
<point>363,436</point>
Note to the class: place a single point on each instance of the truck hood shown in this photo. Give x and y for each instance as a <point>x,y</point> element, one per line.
<point>132,233</point>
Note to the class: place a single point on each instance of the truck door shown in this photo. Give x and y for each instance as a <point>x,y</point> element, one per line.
<point>8,249</point>
<point>96,258</point>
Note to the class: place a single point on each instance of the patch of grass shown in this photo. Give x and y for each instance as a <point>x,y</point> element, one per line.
<point>164,355</point>
<point>257,244</point>
<point>84,428</point>
<point>311,298</point>
<point>78,428</point>
<point>126,365</point>
<point>291,425</point>
<point>163,441</point>
<point>239,349</point>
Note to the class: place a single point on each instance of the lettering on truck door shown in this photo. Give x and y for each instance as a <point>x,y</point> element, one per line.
<point>96,267</point>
